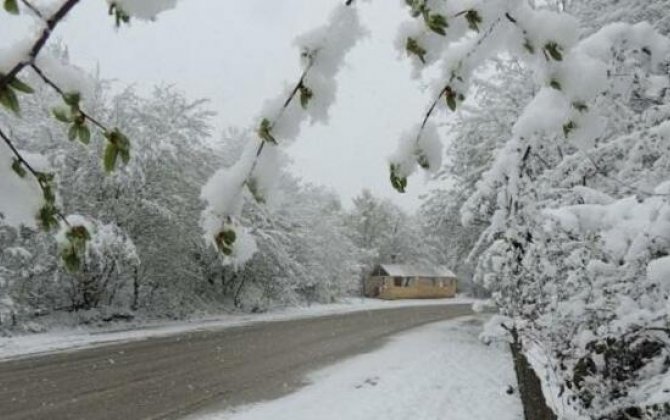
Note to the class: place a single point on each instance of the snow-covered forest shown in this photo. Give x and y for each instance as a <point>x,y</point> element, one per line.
<point>146,253</point>
<point>546,143</point>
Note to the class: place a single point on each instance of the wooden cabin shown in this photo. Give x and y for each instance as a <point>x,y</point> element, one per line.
<point>405,281</point>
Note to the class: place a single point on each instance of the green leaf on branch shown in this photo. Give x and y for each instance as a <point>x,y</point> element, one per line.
<point>437,23</point>
<point>474,19</point>
<point>46,181</point>
<point>47,217</point>
<point>110,157</point>
<point>9,100</point>
<point>413,48</point>
<point>62,115</point>
<point>71,259</point>
<point>225,240</point>
<point>72,99</point>
<point>21,86</point>
<point>451,102</point>
<point>84,134</point>
<point>264,131</point>
<point>580,106</point>
<point>12,7</point>
<point>528,46</point>
<point>125,155</point>
<point>120,15</point>
<point>397,181</point>
<point>451,97</point>
<point>73,132</point>
<point>554,51</point>
<point>78,236</point>
<point>422,160</point>
<point>18,168</point>
<point>417,7</point>
<point>118,146</point>
<point>305,95</point>
<point>568,128</point>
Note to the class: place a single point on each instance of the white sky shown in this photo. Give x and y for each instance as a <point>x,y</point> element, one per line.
<point>238,53</point>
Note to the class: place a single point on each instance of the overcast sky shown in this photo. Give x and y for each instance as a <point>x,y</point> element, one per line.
<point>237,53</point>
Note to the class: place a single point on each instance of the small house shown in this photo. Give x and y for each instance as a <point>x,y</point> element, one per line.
<point>405,281</point>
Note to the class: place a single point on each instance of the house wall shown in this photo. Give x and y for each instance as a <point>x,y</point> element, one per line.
<point>419,288</point>
<point>372,285</point>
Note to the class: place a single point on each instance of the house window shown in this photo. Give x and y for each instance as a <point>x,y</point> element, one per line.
<point>397,281</point>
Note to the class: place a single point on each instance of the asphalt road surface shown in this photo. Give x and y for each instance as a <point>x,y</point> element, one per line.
<point>171,377</point>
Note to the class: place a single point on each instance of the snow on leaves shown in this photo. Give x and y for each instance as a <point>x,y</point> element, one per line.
<point>610,252</point>
<point>322,54</point>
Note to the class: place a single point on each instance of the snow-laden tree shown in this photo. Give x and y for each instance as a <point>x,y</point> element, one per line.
<point>573,244</point>
<point>35,191</point>
<point>451,242</point>
<point>304,251</point>
<point>474,135</point>
<point>385,232</point>
<point>538,184</point>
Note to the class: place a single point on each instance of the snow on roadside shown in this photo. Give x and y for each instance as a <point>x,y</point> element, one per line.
<point>438,371</point>
<point>54,341</point>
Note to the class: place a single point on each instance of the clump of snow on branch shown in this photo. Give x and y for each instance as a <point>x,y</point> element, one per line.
<point>426,151</point>
<point>21,196</point>
<point>73,220</point>
<point>223,192</point>
<point>14,54</point>
<point>226,190</point>
<point>257,171</point>
<point>322,55</point>
<point>628,229</point>
<point>68,77</point>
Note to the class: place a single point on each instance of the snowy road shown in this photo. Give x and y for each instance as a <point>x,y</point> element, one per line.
<point>440,371</point>
<point>168,377</point>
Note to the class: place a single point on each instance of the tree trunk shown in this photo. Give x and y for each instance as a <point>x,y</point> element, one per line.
<point>236,299</point>
<point>136,288</point>
<point>530,388</point>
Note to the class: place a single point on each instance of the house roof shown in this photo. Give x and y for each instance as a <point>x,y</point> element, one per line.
<point>416,270</point>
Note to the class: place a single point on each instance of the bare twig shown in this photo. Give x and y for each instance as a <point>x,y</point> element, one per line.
<point>33,9</point>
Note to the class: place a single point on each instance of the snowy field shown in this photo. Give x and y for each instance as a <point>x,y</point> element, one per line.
<point>25,345</point>
<point>436,372</point>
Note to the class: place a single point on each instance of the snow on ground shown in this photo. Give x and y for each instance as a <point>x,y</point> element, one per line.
<point>439,371</point>
<point>25,345</point>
